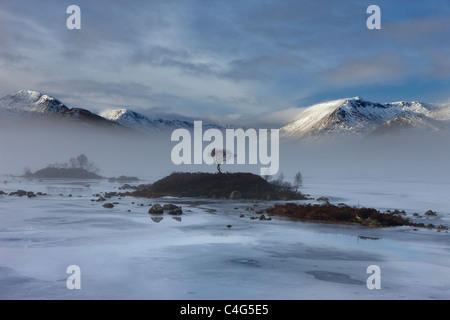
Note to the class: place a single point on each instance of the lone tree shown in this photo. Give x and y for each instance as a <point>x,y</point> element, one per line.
<point>220,156</point>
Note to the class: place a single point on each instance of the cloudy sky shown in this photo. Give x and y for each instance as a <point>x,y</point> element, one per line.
<point>225,60</point>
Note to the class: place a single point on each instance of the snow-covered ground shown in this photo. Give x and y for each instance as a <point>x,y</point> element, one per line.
<point>129,255</point>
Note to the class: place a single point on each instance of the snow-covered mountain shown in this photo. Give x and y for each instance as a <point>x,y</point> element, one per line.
<point>356,117</point>
<point>131,119</point>
<point>27,105</point>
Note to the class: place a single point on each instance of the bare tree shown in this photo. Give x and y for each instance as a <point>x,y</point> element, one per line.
<point>83,162</point>
<point>221,156</point>
<point>298,180</point>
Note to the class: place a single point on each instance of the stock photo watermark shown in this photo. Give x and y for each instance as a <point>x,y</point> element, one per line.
<point>190,149</point>
<point>74,280</point>
<point>374,280</point>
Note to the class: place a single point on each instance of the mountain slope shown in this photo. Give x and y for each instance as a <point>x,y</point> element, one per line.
<point>31,102</point>
<point>356,117</point>
<point>134,120</point>
<point>441,113</point>
<point>27,105</point>
<point>130,119</point>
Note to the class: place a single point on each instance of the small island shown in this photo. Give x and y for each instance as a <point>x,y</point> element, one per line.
<point>77,168</point>
<point>219,185</point>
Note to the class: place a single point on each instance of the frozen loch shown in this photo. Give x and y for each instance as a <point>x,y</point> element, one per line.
<point>211,251</point>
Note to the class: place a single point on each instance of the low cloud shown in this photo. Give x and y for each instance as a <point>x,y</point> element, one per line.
<point>378,69</point>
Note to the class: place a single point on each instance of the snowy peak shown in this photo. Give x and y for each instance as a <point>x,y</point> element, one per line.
<point>358,117</point>
<point>32,101</point>
<point>27,105</point>
<point>134,120</point>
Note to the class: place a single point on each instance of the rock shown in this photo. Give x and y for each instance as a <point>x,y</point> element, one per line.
<point>169,206</point>
<point>430,213</point>
<point>324,199</point>
<point>19,193</point>
<point>177,219</point>
<point>176,212</point>
<point>398,212</point>
<point>101,199</point>
<point>2,193</point>
<point>241,216</point>
<point>229,226</point>
<point>235,195</point>
<point>441,227</point>
<point>263,217</point>
<point>156,209</point>
<point>31,194</point>
<point>108,205</point>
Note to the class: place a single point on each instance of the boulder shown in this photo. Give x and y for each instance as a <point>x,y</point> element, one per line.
<point>176,212</point>
<point>430,213</point>
<point>156,209</point>
<point>19,193</point>
<point>235,195</point>
<point>31,194</point>
<point>324,199</point>
<point>169,206</point>
<point>108,205</point>
<point>2,193</point>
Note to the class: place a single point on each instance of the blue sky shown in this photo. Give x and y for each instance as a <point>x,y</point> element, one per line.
<point>248,62</point>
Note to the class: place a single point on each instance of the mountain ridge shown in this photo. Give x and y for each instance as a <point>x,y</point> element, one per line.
<point>326,121</point>
<point>356,117</point>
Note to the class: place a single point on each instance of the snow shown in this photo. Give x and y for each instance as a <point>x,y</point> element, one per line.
<point>358,117</point>
<point>126,255</point>
<point>27,101</point>
<point>140,122</point>
<point>309,117</point>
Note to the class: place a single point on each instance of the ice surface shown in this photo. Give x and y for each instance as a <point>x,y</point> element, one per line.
<point>127,255</point>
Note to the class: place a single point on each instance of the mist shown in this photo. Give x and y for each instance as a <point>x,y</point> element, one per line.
<point>148,157</point>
